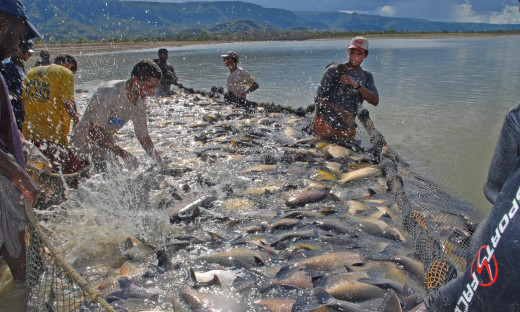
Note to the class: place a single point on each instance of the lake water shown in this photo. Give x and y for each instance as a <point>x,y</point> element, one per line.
<point>442,100</point>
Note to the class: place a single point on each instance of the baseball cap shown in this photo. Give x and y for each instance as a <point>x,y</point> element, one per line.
<point>27,46</point>
<point>15,7</point>
<point>360,43</point>
<point>232,55</point>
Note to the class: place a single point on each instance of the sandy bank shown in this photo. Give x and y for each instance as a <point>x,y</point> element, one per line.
<point>102,47</point>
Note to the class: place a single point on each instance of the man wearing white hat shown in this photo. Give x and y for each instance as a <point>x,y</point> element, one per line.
<point>239,82</point>
<point>341,92</point>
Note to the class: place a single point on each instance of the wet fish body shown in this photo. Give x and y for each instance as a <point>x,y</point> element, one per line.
<point>362,173</point>
<point>190,210</point>
<point>311,195</point>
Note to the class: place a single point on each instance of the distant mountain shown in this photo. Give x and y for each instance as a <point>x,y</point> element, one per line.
<point>110,19</point>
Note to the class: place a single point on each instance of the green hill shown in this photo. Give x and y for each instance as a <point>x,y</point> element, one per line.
<point>72,20</point>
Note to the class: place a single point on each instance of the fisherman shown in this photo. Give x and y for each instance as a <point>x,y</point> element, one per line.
<point>113,104</point>
<point>49,108</point>
<point>14,180</point>
<point>168,74</point>
<point>239,81</point>
<point>14,75</point>
<point>45,58</point>
<point>341,92</point>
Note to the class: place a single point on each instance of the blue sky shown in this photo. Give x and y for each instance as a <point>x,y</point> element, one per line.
<point>480,11</point>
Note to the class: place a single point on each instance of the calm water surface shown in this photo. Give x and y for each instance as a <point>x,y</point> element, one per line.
<point>442,100</point>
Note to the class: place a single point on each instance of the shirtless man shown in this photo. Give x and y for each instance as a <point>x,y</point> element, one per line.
<point>114,104</point>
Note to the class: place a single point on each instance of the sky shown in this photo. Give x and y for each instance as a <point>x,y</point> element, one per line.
<point>479,11</point>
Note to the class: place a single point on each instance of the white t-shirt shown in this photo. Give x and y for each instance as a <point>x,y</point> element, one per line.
<point>239,81</point>
<point>110,109</point>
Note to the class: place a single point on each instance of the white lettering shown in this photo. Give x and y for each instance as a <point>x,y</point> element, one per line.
<point>503,223</point>
<point>475,282</point>
<point>513,210</point>
<point>495,239</point>
<point>465,307</point>
<point>468,295</point>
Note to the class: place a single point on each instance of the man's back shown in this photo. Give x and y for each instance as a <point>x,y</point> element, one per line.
<point>46,88</point>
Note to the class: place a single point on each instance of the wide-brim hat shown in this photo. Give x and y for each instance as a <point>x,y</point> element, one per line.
<point>15,7</point>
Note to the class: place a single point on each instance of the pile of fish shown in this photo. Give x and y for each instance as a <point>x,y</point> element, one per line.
<point>251,213</point>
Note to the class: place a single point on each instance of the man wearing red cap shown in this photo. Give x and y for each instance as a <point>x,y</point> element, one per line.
<point>341,92</point>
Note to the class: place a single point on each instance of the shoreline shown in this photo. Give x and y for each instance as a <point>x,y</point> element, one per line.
<point>106,47</point>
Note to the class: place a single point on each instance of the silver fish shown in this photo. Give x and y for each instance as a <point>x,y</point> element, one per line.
<point>190,210</point>
<point>311,195</point>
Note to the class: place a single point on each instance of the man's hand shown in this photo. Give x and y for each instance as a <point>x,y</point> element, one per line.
<point>347,80</point>
<point>27,187</point>
<point>19,177</point>
<point>130,161</point>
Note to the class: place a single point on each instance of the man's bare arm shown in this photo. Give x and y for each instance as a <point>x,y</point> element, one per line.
<point>19,177</point>
<point>72,111</point>
<point>147,144</point>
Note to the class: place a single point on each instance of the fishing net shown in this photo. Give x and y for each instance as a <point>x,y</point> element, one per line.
<point>436,221</point>
<point>52,284</point>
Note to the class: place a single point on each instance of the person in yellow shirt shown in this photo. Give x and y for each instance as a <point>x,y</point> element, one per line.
<point>49,106</point>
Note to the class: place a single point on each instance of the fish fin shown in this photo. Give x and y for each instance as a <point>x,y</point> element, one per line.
<point>390,251</point>
<point>391,303</point>
<point>333,197</point>
<point>163,261</point>
<point>321,295</point>
<point>259,261</point>
<point>124,282</point>
<point>319,280</point>
<point>192,275</point>
<point>410,297</point>
<point>215,281</point>
<point>407,290</point>
<point>284,272</point>
<point>195,213</point>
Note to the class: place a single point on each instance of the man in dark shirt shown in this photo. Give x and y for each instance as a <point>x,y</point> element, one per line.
<point>14,74</point>
<point>45,59</point>
<point>342,90</point>
<point>168,74</point>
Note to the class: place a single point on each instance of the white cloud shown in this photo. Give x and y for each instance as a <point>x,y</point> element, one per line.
<point>480,11</point>
<point>509,15</point>
<point>465,13</point>
<point>387,10</point>
<point>447,11</point>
